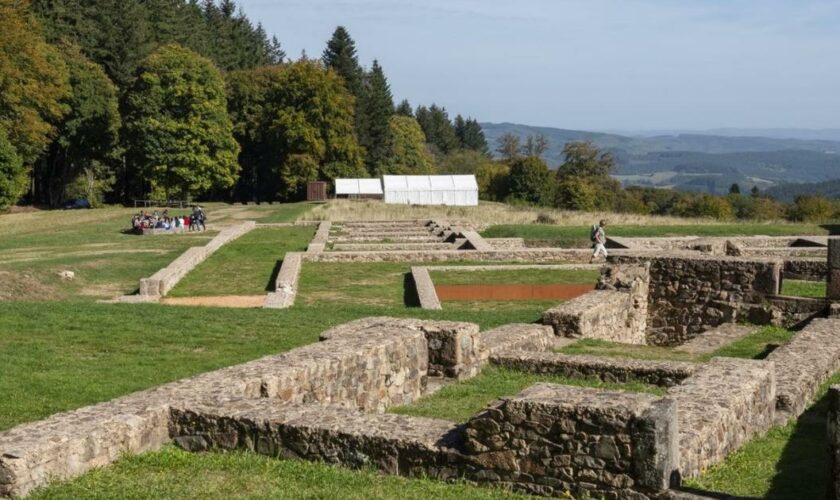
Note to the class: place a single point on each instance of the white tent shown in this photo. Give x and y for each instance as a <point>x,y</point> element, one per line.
<point>431,189</point>
<point>368,188</point>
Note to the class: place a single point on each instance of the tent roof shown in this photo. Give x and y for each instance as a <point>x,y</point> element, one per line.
<point>429,182</point>
<point>358,186</point>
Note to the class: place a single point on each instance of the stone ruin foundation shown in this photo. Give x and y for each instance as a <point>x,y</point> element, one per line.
<point>326,401</point>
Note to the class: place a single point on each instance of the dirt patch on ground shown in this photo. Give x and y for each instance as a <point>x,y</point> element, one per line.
<point>23,286</point>
<point>238,301</point>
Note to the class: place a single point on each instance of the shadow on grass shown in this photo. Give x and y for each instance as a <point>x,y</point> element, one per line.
<point>832,229</point>
<point>269,287</point>
<point>410,297</point>
<point>802,470</point>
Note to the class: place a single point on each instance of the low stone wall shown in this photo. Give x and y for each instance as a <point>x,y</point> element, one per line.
<point>803,364</point>
<point>516,337</point>
<point>505,243</point>
<point>661,373</point>
<point>363,369</point>
<point>525,255</point>
<point>813,269</point>
<point>383,247</point>
<point>784,310</point>
<point>722,405</point>
<point>692,294</point>
<point>164,280</point>
<point>426,293</point>
<point>617,312</point>
<point>319,241</point>
<point>833,426</point>
<point>286,283</point>
<point>454,347</point>
<point>624,444</point>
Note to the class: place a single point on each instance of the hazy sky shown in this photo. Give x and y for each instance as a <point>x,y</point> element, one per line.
<point>591,64</point>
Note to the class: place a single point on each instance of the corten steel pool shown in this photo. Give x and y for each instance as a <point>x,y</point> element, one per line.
<point>512,292</point>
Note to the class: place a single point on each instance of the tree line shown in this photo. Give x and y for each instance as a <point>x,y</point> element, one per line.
<point>113,100</point>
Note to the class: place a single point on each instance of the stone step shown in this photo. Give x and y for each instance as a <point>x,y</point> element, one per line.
<point>712,340</point>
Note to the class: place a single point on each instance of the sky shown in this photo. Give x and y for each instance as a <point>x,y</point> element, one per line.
<point>590,64</point>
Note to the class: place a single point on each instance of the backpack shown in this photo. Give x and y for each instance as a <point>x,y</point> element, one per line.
<point>593,232</point>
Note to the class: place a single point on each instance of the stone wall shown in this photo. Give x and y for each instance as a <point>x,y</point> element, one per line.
<point>803,364</point>
<point>505,243</point>
<point>617,312</point>
<point>809,269</point>
<point>164,280</point>
<point>661,373</point>
<point>426,293</point>
<point>721,406</point>
<point>516,337</point>
<point>624,444</point>
<point>319,241</point>
<point>365,369</point>
<point>692,294</point>
<point>454,348</point>
<point>522,255</point>
<point>833,490</point>
<point>286,283</point>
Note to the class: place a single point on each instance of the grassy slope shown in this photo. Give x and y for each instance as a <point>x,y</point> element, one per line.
<point>246,266</point>
<point>458,402</point>
<point>579,235</point>
<point>173,473</point>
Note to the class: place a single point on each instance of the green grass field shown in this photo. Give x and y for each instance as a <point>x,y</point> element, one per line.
<point>578,236</point>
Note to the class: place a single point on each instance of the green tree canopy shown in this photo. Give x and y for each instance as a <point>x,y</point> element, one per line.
<point>377,107</point>
<point>340,56</point>
<point>583,159</point>
<point>13,177</point>
<point>408,154</point>
<point>530,181</point>
<point>404,109</point>
<point>179,132</point>
<point>33,90</point>
<point>470,135</point>
<point>87,146</point>
<point>294,109</point>
<point>439,131</point>
<point>735,188</point>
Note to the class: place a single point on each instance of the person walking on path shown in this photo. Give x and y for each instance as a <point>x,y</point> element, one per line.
<point>599,238</point>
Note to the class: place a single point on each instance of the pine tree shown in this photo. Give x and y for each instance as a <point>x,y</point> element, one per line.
<point>376,106</point>
<point>404,109</point>
<point>470,135</point>
<point>439,131</point>
<point>340,56</point>
<point>734,188</point>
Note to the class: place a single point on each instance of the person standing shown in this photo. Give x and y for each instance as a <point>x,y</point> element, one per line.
<point>599,238</point>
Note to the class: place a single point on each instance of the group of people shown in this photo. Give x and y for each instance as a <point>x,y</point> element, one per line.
<point>155,220</point>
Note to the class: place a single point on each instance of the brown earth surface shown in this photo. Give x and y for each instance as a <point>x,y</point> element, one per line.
<point>240,301</point>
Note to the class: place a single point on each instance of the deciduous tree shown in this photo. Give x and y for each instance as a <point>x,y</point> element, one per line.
<point>179,132</point>
<point>408,154</point>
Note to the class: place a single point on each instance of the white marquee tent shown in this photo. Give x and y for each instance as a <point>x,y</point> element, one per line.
<point>460,190</point>
<point>368,188</point>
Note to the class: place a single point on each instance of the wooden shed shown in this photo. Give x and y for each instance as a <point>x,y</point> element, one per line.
<point>316,191</point>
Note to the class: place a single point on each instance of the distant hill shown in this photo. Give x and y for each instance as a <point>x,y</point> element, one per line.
<point>697,162</point>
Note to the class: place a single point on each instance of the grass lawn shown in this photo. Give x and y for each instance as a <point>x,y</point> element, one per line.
<point>173,473</point>
<point>755,346</point>
<point>514,277</point>
<point>460,401</point>
<point>247,265</point>
<point>578,236</point>
<point>799,288</point>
